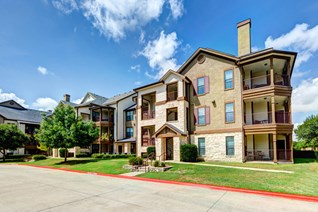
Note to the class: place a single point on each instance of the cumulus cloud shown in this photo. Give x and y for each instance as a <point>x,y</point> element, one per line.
<point>137,83</point>
<point>160,54</point>
<point>42,70</point>
<point>12,96</point>
<point>135,68</point>
<point>66,6</point>
<point>114,18</point>
<point>176,7</point>
<point>78,101</point>
<point>45,104</point>
<point>305,98</point>
<point>301,39</point>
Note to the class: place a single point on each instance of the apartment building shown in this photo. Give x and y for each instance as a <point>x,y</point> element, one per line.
<point>115,118</point>
<point>27,120</point>
<point>234,108</point>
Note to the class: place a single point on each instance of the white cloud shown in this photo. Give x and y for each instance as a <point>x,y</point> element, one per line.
<point>301,39</point>
<point>137,83</point>
<point>160,54</point>
<point>66,6</point>
<point>78,101</point>
<point>12,96</point>
<point>113,18</point>
<point>42,70</point>
<point>255,49</point>
<point>142,37</point>
<point>135,68</point>
<point>177,8</point>
<point>304,97</point>
<point>44,104</point>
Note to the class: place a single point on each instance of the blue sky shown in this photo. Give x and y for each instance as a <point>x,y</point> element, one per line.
<point>48,48</point>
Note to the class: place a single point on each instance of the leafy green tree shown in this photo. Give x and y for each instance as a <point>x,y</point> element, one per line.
<point>64,130</point>
<point>307,132</point>
<point>11,138</point>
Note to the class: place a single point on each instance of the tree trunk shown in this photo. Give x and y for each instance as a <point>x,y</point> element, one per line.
<point>4,155</point>
<point>65,155</point>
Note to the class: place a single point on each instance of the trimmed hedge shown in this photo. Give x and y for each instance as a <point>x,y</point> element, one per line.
<point>136,160</point>
<point>112,156</point>
<point>82,155</point>
<point>9,156</point>
<point>150,150</point>
<point>305,154</point>
<point>38,157</point>
<point>188,153</point>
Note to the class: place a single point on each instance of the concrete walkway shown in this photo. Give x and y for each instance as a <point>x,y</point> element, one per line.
<point>235,167</point>
<point>26,188</point>
<point>132,174</point>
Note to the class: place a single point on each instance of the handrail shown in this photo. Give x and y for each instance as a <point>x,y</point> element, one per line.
<point>164,153</point>
<point>149,156</point>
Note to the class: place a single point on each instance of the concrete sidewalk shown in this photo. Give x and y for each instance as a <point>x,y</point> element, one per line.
<point>36,189</point>
<point>235,167</point>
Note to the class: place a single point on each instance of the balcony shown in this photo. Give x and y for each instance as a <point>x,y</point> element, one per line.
<point>281,117</point>
<point>264,80</point>
<point>172,95</point>
<point>147,114</point>
<point>148,141</point>
<point>267,154</point>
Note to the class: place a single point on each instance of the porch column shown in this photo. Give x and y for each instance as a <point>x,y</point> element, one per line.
<point>272,71</point>
<point>275,148</point>
<point>289,111</point>
<point>273,109</point>
<point>290,138</point>
<point>100,131</point>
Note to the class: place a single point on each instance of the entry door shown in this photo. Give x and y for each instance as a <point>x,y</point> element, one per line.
<point>169,149</point>
<point>281,150</point>
<point>120,149</point>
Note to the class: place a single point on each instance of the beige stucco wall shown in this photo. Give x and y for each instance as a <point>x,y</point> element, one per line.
<point>214,67</point>
<point>215,146</point>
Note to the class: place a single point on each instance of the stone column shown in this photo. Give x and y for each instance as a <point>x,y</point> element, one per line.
<point>275,147</point>
<point>273,109</point>
<point>272,71</point>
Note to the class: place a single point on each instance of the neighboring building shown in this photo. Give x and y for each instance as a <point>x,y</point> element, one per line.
<point>115,118</point>
<point>27,120</point>
<point>234,108</point>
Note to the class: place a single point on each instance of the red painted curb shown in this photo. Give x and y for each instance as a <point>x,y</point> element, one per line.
<point>223,188</point>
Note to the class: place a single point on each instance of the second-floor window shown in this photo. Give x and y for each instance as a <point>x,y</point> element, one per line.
<point>201,115</point>
<point>129,132</point>
<point>200,89</point>
<point>172,114</point>
<point>229,112</point>
<point>129,115</point>
<point>228,79</point>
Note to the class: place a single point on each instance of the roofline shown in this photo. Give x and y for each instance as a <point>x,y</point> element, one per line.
<point>208,51</point>
<point>264,52</point>
<point>121,99</point>
<point>12,107</point>
<point>148,85</point>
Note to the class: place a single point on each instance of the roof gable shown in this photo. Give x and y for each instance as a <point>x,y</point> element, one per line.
<point>168,130</point>
<point>12,104</point>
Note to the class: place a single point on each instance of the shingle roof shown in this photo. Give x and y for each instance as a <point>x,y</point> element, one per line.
<point>72,104</point>
<point>26,115</point>
<point>118,97</point>
<point>97,99</point>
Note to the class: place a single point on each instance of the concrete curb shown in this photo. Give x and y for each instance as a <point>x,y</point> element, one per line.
<point>223,188</point>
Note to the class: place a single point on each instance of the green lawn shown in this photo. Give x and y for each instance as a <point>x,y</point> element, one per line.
<point>303,181</point>
<point>85,164</point>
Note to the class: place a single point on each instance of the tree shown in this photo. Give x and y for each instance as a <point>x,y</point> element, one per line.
<point>11,138</point>
<point>64,130</point>
<point>307,132</point>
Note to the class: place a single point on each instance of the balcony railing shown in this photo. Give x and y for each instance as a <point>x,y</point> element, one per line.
<point>258,118</point>
<point>264,80</point>
<point>96,118</point>
<point>267,154</point>
<point>147,114</point>
<point>281,117</point>
<point>173,95</point>
<point>146,141</point>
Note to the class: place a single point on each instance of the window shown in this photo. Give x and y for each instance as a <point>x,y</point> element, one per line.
<point>201,144</point>
<point>172,114</point>
<point>172,92</point>
<point>201,115</point>
<point>228,79</point>
<point>229,145</point>
<point>201,86</point>
<point>229,112</point>
<point>129,115</point>
<point>129,132</point>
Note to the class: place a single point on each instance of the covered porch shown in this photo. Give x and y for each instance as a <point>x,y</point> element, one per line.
<point>268,148</point>
<point>126,146</point>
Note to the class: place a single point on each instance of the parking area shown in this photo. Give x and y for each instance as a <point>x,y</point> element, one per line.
<point>35,189</point>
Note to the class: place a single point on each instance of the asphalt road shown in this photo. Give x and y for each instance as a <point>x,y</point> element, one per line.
<point>34,189</point>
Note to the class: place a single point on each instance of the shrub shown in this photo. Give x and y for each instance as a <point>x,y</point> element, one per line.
<point>9,156</point>
<point>200,159</point>
<point>62,152</point>
<point>163,164</point>
<point>97,155</point>
<point>38,157</point>
<point>156,163</point>
<point>150,150</point>
<point>106,157</point>
<point>188,153</point>
<point>82,155</point>
<point>136,161</point>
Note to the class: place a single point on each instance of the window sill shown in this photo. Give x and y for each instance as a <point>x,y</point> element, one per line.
<point>228,89</point>
<point>230,122</point>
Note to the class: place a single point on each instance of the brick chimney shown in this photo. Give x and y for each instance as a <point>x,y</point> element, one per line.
<point>67,98</point>
<point>244,37</point>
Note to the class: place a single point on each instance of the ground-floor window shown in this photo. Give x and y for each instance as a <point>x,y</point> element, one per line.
<point>229,145</point>
<point>201,145</point>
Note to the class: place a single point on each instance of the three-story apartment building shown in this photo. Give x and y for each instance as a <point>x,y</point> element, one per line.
<point>234,108</point>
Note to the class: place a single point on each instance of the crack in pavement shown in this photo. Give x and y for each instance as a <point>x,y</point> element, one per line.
<point>216,201</point>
